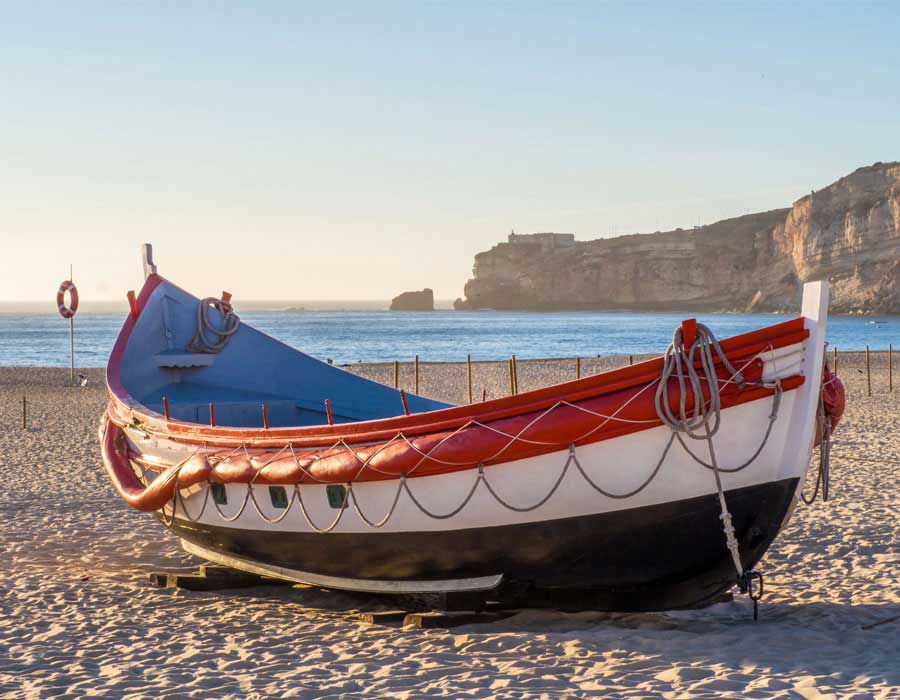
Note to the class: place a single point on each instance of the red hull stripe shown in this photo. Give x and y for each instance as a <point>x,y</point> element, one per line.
<point>425,456</point>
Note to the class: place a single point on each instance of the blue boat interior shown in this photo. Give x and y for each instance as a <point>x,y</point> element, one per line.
<point>251,370</point>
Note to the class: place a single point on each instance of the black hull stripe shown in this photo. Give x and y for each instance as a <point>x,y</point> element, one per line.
<point>663,556</point>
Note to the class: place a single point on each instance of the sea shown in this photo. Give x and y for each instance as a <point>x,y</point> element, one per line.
<point>350,336</point>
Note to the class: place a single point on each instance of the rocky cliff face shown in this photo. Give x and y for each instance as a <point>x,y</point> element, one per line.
<point>414,301</point>
<point>848,233</point>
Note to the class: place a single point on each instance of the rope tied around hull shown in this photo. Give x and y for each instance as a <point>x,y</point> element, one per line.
<point>694,421</point>
<point>206,330</point>
<point>824,423</point>
<point>702,421</point>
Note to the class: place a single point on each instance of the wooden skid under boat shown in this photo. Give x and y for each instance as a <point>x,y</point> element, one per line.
<point>262,458</point>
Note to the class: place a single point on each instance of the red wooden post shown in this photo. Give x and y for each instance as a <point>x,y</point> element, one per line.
<point>405,404</point>
<point>265,417</point>
<point>166,406</point>
<point>132,303</point>
<point>212,414</point>
<point>328,412</point>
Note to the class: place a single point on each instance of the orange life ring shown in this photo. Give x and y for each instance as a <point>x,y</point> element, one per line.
<point>67,311</point>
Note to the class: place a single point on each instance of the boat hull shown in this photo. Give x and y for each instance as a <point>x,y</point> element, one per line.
<point>663,556</point>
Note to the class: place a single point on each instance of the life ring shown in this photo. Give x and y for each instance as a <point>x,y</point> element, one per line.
<point>67,311</point>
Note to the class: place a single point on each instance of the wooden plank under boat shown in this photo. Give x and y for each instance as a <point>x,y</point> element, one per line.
<point>581,485</point>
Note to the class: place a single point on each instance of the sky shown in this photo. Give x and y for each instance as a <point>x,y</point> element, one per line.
<point>288,150</point>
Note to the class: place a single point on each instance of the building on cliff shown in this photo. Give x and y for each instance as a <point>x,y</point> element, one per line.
<point>848,232</point>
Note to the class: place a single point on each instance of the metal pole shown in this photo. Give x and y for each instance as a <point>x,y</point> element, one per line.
<point>416,363</point>
<point>72,350</point>
<point>71,340</point>
<point>891,367</point>
<point>469,374</point>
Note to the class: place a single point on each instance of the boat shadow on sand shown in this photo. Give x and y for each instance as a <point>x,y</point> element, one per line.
<point>817,617</point>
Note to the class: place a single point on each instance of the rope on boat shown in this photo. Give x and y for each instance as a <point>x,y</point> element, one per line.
<point>703,421</point>
<point>700,423</point>
<point>206,330</point>
<point>823,473</point>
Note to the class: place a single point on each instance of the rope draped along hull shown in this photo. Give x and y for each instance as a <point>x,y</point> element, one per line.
<point>593,484</point>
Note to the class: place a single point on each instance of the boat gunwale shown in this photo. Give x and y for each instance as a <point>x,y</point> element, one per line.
<point>125,410</point>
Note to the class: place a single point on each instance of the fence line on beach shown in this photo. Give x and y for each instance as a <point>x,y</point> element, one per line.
<point>419,368</point>
<point>879,363</point>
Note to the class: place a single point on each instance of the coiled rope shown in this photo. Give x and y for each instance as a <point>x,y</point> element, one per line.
<point>205,329</point>
<point>703,420</point>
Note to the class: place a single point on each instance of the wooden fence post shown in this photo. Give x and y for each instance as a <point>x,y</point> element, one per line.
<point>24,413</point>
<point>416,378</point>
<point>515,375</point>
<point>868,373</point>
<point>512,385</point>
<point>631,359</point>
<point>396,374</point>
<point>891,367</point>
<point>834,361</point>
<point>469,375</point>
<point>577,368</point>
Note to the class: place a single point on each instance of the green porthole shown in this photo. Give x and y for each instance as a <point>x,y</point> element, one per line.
<point>278,496</point>
<point>218,493</point>
<point>337,495</point>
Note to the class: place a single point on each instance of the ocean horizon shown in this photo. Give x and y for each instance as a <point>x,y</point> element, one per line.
<point>41,339</point>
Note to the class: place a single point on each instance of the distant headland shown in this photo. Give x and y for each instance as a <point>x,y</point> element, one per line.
<point>848,232</point>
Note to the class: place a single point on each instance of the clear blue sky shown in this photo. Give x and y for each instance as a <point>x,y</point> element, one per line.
<point>289,150</point>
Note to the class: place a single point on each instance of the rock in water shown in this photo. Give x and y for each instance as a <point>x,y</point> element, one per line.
<point>848,232</point>
<point>414,301</point>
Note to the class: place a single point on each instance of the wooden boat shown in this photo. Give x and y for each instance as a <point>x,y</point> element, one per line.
<point>653,486</point>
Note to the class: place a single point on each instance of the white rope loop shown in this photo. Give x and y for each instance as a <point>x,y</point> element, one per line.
<point>206,330</point>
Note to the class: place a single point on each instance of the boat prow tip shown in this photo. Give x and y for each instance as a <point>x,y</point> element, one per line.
<point>147,259</point>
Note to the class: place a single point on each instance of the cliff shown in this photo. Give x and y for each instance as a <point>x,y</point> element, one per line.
<point>848,232</point>
<point>414,301</point>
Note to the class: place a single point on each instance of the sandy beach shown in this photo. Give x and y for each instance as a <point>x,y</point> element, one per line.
<point>79,618</point>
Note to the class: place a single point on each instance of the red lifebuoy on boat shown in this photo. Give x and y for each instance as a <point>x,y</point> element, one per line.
<point>67,311</point>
